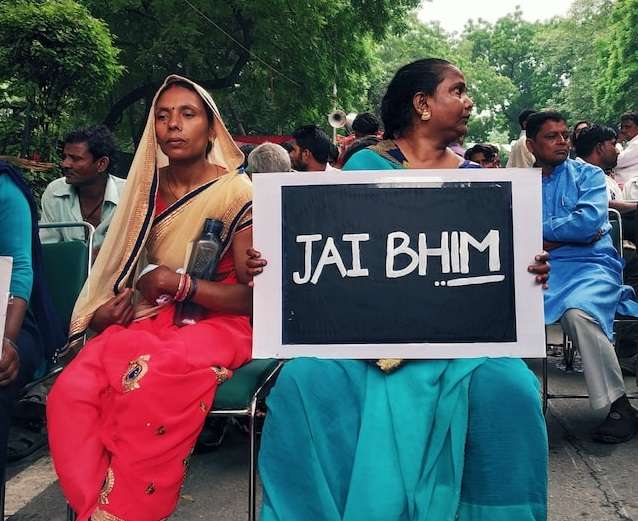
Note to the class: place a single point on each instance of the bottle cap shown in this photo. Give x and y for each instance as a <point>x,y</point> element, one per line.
<point>213,226</point>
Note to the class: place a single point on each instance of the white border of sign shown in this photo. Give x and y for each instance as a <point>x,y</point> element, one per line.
<point>527,227</point>
<point>6,265</point>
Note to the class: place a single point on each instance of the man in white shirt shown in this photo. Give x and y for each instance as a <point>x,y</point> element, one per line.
<point>87,192</point>
<point>520,156</point>
<point>628,158</point>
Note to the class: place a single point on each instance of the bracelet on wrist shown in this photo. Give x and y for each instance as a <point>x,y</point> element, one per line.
<point>180,286</point>
<point>181,294</point>
<point>192,290</point>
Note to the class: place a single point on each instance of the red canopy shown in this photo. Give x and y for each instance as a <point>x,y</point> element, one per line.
<point>258,140</point>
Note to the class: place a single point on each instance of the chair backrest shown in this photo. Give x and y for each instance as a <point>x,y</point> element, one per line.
<point>616,230</point>
<point>66,267</point>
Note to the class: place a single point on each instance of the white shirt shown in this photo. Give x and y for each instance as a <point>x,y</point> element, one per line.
<point>60,203</point>
<point>520,157</point>
<point>627,166</point>
<point>613,189</point>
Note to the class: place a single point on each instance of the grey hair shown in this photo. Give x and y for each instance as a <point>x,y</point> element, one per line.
<point>268,157</point>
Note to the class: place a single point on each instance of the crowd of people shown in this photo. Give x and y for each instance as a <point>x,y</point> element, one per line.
<point>343,440</point>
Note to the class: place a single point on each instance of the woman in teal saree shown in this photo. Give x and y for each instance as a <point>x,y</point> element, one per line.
<point>434,440</point>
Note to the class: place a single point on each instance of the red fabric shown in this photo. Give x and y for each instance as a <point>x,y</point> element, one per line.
<point>144,435</point>
<point>160,205</point>
<point>258,140</point>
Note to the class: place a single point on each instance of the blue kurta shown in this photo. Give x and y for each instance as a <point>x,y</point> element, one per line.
<point>586,270</point>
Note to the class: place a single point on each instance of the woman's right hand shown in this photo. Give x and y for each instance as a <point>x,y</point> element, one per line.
<point>254,263</point>
<point>118,310</point>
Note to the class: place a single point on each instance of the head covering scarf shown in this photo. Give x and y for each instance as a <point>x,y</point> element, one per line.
<point>40,303</point>
<point>129,229</point>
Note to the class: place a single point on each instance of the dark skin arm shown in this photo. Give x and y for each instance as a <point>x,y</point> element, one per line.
<point>540,268</point>
<point>215,296</point>
<point>118,310</point>
<point>551,245</point>
<point>10,361</point>
<point>623,206</point>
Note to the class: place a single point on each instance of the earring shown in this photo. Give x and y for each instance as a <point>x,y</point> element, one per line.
<point>425,115</point>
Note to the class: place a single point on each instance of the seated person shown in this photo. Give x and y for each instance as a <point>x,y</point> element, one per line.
<point>312,150</point>
<point>586,288</point>
<point>87,192</point>
<point>125,414</point>
<point>268,157</point>
<point>484,155</point>
<point>627,167</point>
<point>596,145</point>
<point>365,124</point>
<point>32,331</point>
<point>433,439</point>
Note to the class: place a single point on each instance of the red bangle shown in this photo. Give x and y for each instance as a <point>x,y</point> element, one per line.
<point>180,296</point>
<point>180,286</point>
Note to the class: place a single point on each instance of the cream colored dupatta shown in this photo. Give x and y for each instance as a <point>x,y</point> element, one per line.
<point>134,221</point>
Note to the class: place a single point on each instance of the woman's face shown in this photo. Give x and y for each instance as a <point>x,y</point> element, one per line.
<point>181,124</point>
<point>450,106</point>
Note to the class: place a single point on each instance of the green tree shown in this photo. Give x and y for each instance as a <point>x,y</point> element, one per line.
<point>490,90</point>
<point>617,87</point>
<point>271,65</point>
<point>54,55</point>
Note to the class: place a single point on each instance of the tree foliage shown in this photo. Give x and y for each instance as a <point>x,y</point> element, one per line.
<point>617,88</point>
<point>271,65</point>
<point>52,54</point>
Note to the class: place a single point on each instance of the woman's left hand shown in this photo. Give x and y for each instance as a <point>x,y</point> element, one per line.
<point>541,268</point>
<point>160,281</point>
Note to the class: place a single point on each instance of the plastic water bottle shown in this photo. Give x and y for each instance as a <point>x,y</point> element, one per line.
<point>201,265</point>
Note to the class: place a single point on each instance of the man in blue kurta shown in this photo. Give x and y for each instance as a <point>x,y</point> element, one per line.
<point>585,291</point>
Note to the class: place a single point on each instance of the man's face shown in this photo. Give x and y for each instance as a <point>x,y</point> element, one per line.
<point>551,144</point>
<point>628,129</point>
<point>79,166</point>
<point>608,154</point>
<point>297,158</point>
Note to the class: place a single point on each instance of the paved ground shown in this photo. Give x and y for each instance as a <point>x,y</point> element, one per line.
<point>587,481</point>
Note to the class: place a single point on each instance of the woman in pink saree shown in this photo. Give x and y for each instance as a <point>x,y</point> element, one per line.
<point>126,412</point>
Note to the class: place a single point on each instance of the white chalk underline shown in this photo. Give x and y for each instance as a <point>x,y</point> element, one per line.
<point>469,281</point>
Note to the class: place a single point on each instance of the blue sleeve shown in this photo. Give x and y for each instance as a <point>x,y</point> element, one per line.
<point>367,160</point>
<point>589,216</point>
<point>15,239</point>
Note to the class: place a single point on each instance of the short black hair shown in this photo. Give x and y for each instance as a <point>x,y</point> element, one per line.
<point>287,145</point>
<point>486,150</point>
<point>99,141</point>
<point>419,76</point>
<point>366,124</point>
<point>592,136</point>
<point>538,119</point>
<point>630,116</point>
<point>313,138</point>
<point>524,116</point>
